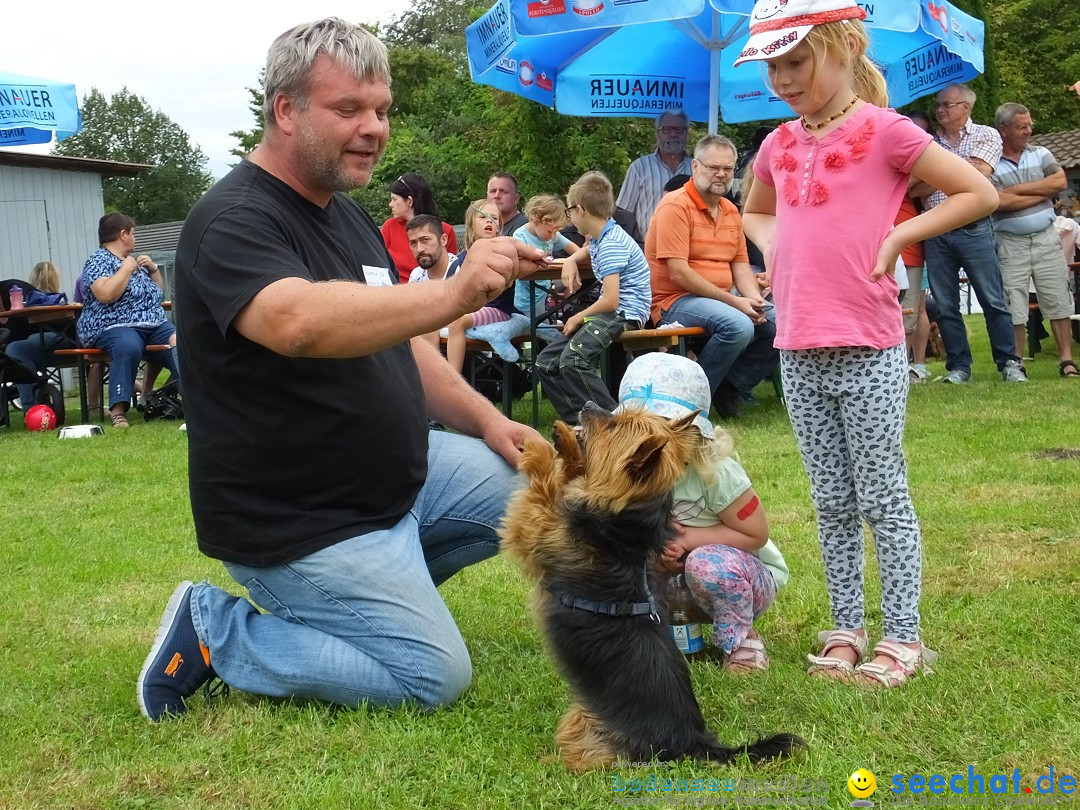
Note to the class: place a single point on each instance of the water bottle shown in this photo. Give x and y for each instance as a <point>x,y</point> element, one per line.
<point>684,618</point>
<point>15,294</point>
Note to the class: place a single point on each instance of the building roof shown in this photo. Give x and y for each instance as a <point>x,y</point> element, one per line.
<point>106,168</point>
<point>1065,146</point>
<point>160,237</point>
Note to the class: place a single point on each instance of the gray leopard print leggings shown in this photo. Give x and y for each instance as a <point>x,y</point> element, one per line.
<point>847,406</point>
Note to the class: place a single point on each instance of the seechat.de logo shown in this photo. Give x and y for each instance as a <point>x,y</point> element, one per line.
<point>976,783</point>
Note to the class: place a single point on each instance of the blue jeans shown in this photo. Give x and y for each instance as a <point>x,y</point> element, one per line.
<point>737,348</point>
<point>29,353</point>
<point>971,247</point>
<point>362,620</point>
<point>126,346</point>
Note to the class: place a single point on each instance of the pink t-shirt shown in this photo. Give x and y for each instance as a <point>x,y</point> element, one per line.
<point>836,200</point>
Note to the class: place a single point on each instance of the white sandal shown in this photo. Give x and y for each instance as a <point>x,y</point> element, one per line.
<point>831,639</point>
<point>753,658</point>
<point>906,664</point>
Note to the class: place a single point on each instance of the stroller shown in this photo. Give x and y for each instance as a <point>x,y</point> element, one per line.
<point>12,373</point>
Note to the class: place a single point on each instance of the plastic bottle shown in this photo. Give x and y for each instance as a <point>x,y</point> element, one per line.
<point>15,293</point>
<point>684,618</point>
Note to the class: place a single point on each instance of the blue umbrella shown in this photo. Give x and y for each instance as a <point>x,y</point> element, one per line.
<point>33,110</point>
<point>630,58</point>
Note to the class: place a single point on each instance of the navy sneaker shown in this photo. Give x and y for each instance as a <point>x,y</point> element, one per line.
<point>178,663</point>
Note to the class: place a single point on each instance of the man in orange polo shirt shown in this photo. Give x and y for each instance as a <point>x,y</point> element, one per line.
<point>701,277</point>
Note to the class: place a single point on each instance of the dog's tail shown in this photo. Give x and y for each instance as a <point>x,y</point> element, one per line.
<point>776,746</point>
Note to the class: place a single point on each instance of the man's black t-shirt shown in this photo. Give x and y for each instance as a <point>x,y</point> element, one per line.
<point>287,455</point>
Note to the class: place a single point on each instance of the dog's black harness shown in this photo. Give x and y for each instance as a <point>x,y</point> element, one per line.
<point>646,608</point>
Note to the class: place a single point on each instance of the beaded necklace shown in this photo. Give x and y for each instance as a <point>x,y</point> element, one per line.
<point>830,119</point>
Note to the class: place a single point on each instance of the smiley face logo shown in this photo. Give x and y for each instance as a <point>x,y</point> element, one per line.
<point>862,784</point>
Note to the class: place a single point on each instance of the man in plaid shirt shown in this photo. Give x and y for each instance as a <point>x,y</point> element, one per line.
<point>970,247</point>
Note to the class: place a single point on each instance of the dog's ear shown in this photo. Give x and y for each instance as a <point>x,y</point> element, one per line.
<point>645,458</point>
<point>686,433</point>
<point>569,449</point>
<point>686,424</point>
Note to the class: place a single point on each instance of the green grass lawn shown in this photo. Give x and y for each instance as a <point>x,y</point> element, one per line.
<point>97,532</point>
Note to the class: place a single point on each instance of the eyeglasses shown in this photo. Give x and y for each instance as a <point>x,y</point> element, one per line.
<point>673,130</point>
<point>571,209</point>
<point>948,105</point>
<point>405,183</point>
<point>715,169</point>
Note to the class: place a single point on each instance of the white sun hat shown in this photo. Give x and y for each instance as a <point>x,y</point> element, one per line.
<point>777,26</point>
<point>668,385</point>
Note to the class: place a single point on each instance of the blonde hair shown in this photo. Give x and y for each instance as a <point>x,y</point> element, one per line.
<point>593,192</point>
<point>475,212</point>
<point>546,208</point>
<point>709,454</point>
<point>45,277</point>
<point>833,38</point>
<point>746,185</point>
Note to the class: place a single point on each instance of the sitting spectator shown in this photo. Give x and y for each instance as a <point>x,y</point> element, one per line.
<point>701,276</point>
<point>25,343</point>
<point>429,244</point>
<point>122,312</point>
<point>410,196</point>
<point>546,214</point>
<point>433,263</point>
<point>502,189</point>
<point>568,366</point>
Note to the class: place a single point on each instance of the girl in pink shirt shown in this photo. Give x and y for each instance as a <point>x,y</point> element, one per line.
<point>831,186</point>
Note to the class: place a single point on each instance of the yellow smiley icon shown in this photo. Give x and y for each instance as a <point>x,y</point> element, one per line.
<point>862,784</point>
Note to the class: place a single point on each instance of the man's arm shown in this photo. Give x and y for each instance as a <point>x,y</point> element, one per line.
<point>454,403</point>
<point>1037,190</point>
<point>298,318</point>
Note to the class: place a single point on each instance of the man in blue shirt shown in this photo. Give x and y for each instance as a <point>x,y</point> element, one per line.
<point>1027,179</point>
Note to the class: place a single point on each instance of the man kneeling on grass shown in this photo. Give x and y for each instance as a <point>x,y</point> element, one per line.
<point>327,499</point>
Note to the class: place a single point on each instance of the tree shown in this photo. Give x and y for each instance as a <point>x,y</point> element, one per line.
<point>1036,54</point>
<point>124,128</point>
<point>250,138</point>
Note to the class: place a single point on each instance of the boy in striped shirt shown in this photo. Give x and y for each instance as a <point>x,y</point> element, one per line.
<point>568,367</point>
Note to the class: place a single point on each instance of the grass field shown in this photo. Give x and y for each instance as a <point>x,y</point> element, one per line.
<point>97,532</point>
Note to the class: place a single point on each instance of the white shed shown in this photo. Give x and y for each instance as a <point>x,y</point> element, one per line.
<point>49,210</point>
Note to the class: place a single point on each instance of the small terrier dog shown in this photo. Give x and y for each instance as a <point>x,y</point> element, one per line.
<point>593,510</point>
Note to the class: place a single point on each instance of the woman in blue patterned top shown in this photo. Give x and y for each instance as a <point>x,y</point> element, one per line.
<point>122,312</point>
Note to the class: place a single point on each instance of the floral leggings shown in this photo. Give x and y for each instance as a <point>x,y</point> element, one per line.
<point>847,408</point>
<point>733,587</point>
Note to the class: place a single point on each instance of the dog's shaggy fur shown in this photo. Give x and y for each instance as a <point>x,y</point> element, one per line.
<point>584,525</point>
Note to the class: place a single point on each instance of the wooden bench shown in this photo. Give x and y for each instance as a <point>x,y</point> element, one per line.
<point>86,357</point>
<point>639,340</point>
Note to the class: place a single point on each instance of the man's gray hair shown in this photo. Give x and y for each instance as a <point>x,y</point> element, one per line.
<point>675,112</point>
<point>291,56</point>
<point>1007,113</point>
<point>966,93</point>
<point>718,141</point>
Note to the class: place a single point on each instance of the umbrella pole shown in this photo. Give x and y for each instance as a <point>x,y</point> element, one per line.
<point>714,91</point>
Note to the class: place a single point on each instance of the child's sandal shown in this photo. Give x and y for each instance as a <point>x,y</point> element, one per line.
<point>828,666</point>
<point>747,657</point>
<point>906,664</point>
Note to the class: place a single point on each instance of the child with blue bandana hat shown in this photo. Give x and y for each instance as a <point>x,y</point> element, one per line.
<point>721,542</point>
